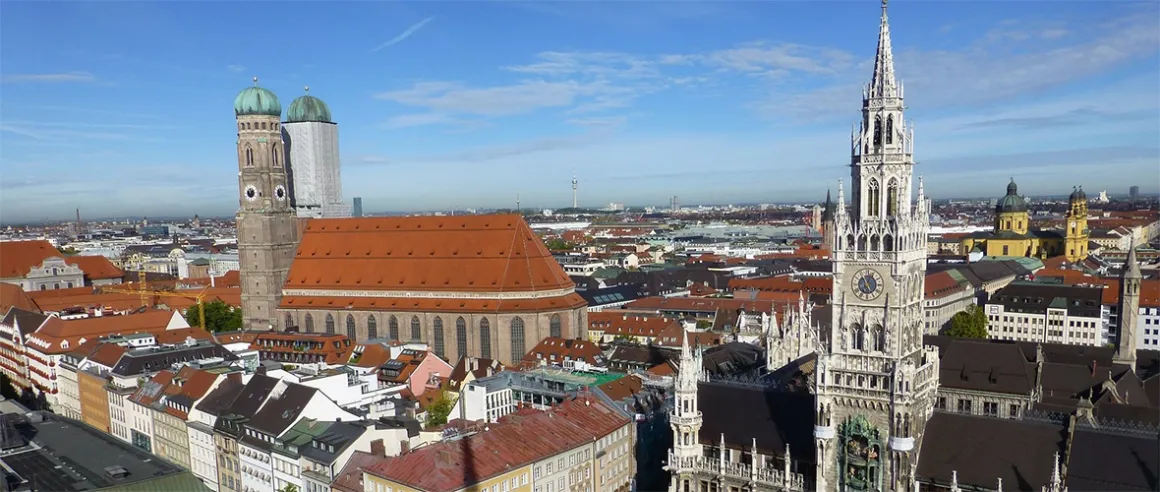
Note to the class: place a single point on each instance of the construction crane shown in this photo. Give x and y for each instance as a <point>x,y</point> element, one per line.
<point>147,294</point>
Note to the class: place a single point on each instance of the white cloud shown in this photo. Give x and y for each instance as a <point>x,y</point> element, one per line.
<point>520,98</point>
<point>48,77</point>
<point>405,34</point>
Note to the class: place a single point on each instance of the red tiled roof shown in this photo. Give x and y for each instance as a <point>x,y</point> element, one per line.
<point>941,284</point>
<point>699,304</point>
<point>18,257</point>
<point>556,349</point>
<point>622,388</point>
<point>516,440</point>
<point>334,348</point>
<point>95,267</point>
<point>481,253</point>
<point>55,331</point>
<point>373,355</point>
<point>474,366</point>
<point>671,337</point>
<point>628,323</point>
<point>12,296</point>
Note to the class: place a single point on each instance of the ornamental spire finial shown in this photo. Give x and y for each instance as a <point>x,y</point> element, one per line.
<point>255,81</point>
<point>306,88</point>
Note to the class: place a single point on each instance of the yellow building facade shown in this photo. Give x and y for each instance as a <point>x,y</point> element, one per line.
<point>1013,235</point>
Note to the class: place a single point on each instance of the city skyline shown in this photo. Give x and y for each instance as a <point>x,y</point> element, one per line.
<point>459,110</point>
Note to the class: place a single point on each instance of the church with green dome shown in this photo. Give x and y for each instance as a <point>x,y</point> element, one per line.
<point>1013,234</point>
<point>311,138</point>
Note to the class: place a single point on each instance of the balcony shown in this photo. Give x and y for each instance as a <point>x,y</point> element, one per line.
<point>766,477</point>
<point>686,420</point>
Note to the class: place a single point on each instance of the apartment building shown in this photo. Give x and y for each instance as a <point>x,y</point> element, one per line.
<point>203,455</point>
<point>583,444</point>
<point>503,393</point>
<point>1033,312</point>
<point>946,294</point>
<point>228,429</point>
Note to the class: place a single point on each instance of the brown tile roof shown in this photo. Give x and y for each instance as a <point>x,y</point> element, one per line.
<point>372,355</point>
<point>18,257</point>
<point>663,369</point>
<point>941,284</point>
<point>481,253</point>
<point>95,267</point>
<point>57,330</point>
<point>671,337</point>
<point>350,478</point>
<point>148,394</point>
<point>628,324</point>
<point>83,297</point>
<point>704,304</point>
<point>475,366</point>
<point>568,301</point>
<point>516,440</point>
<point>626,387</point>
<point>12,296</point>
<point>192,384</point>
<point>334,348</point>
<point>556,349</point>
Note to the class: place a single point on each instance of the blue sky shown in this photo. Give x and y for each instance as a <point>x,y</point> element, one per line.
<point>125,107</point>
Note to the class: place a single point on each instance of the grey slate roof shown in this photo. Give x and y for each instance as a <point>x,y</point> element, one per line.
<point>984,449</point>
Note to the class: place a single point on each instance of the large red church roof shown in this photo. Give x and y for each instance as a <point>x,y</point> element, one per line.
<point>479,254</point>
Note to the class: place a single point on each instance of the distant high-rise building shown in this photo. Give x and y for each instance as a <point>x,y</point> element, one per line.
<point>1133,193</point>
<point>575,185</point>
<point>675,203</point>
<point>357,212</point>
<point>311,139</point>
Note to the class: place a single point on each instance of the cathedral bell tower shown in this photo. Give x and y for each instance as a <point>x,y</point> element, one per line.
<point>875,382</point>
<point>265,221</point>
<point>685,420</point>
<point>1076,235</point>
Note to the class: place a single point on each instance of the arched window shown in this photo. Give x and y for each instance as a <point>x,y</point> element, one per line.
<point>874,243</point>
<point>849,241</point>
<point>289,322</point>
<point>892,197</point>
<point>859,336</point>
<point>879,338</point>
<point>877,131</point>
<point>484,338</point>
<point>350,333</point>
<point>329,324</point>
<point>249,155</point>
<point>372,327</point>
<point>309,323</point>
<point>873,198</point>
<point>518,349</point>
<point>437,336</point>
<point>393,328</point>
<point>55,271</point>
<point>274,155</point>
<point>889,129</point>
<point>416,329</point>
<point>554,326</point>
<point>887,243</point>
<point>460,337</point>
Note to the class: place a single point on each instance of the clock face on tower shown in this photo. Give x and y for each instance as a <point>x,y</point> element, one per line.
<point>867,284</point>
<point>251,192</point>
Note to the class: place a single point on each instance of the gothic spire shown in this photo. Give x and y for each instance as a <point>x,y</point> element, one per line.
<point>882,84</point>
<point>828,209</point>
<point>1131,266</point>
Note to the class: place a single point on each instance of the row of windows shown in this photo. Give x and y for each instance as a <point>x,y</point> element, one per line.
<point>518,346</point>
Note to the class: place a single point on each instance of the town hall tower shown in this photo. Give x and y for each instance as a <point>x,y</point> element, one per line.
<point>875,382</point>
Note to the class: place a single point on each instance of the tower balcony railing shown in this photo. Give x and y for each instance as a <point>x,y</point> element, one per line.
<point>884,157</point>
<point>685,420</point>
<point>766,477</point>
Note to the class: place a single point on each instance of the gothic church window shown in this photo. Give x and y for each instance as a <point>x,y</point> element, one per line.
<point>484,338</point>
<point>309,323</point>
<point>438,336</point>
<point>372,327</point>
<point>274,155</point>
<point>879,338</point>
<point>289,321</point>
<point>329,324</point>
<point>887,243</point>
<point>873,198</point>
<point>249,155</point>
<point>554,326</point>
<point>518,349</point>
<point>393,328</point>
<point>350,333</point>
<point>877,131</point>
<point>889,129</point>
<point>416,329</point>
<point>461,336</point>
<point>859,337</point>
<point>892,198</point>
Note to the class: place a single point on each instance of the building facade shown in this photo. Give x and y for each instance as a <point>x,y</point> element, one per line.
<point>265,219</point>
<point>1014,236</point>
<point>1047,313</point>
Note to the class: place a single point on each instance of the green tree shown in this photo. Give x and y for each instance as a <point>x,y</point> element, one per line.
<point>559,245</point>
<point>704,324</point>
<point>69,250</point>
<point>219,316</point>
<point>439,410</point>
<point>970,323</point>
<point>289,487</point>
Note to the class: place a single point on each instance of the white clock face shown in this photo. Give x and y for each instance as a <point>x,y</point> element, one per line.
<point>867,284</point>
<point>280,193</point>
<point>251,193</point>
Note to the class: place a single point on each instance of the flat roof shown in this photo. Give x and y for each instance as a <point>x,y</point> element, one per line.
<point>68,455</point>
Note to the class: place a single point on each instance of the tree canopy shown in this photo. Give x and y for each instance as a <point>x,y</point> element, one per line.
<point>969,323</point>
<point>219,316</point>
<point>439,410</point>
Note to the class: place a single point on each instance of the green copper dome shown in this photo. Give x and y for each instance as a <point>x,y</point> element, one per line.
<point>308,108</point>
<point>1012,202</point>
<point>254,101</point>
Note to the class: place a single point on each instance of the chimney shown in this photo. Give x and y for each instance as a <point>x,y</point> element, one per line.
<point>404,446</point>
<point>378,449</point>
